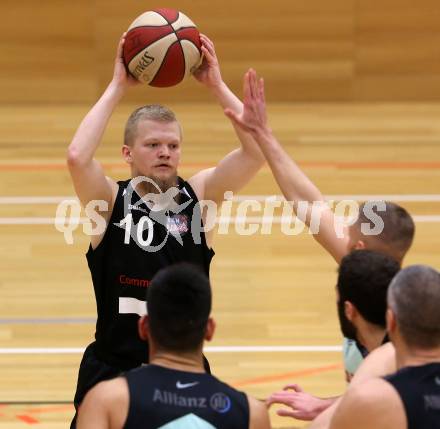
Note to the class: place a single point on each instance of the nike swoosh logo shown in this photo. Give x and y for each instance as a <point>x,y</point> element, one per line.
<point>180,385</point>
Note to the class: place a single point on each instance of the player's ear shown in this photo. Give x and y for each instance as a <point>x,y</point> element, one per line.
<point>360,245</point>
<point>126,153</point>
<point>144,327</point>
<point>210,329</point>
<point>391,321</point>
<point>349,310</point>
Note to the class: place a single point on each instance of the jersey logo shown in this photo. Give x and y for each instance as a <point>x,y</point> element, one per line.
<point>178,224</point>
<point>220,402</point>
<point>180,385</point>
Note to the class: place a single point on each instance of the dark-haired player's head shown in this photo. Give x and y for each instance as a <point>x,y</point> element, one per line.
<point>413,317</point>
<point>363,280</point>
<point>384,227</point>
<point>178,305</point>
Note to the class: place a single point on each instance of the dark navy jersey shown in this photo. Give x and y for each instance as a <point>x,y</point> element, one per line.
<point>166,398</point>
<point>139,242</point>
<point>419,389</point>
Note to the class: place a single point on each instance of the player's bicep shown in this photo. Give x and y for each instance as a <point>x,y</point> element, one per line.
<point>258,414</point>
<point>328,231</point>
<point>232,173</point>
<point>90,183</point>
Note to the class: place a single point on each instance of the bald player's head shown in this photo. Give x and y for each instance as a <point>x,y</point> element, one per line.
<point>414,301</point>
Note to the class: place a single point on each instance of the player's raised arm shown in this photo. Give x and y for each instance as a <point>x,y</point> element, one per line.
<point>294,184</point>
<point>239,166</point>
<point>87,174</point>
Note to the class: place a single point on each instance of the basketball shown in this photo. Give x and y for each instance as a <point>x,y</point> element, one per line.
<point>162,47</point>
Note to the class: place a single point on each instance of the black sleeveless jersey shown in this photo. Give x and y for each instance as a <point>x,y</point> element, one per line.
<point>172,399</point>
<point>419,389</point>
<point>139,242</point>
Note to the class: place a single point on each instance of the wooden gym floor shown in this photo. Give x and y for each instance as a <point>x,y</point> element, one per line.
<point>269,289</point>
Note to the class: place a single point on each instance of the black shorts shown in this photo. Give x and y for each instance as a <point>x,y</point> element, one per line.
<point>93,370</point>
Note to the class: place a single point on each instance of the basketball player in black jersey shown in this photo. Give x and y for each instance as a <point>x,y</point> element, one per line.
<point>148,222</point>
<point>173,391</point>
<point>395,239</point>
<point>410,398</point>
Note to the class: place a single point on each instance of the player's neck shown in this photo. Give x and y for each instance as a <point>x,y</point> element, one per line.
<point>190,362</point>
<point>153,185</point>
<point>371,336</point>
<point>416,357</point>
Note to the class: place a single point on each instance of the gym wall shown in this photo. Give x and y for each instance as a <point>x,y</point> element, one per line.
<point>62,51</point>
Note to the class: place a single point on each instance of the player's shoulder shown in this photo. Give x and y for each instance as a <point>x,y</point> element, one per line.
<point>370,392</point>
<point>199,182</point>
<point>106,402</point>
<point>117,184</point>
<point>363,406</point>
<point>258,414</point>
<point>378,363</point>
<point>109,391</point>
<point>374,403</point>
<point>386,350</point>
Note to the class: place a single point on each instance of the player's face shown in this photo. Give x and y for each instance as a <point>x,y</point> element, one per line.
<point>155,152</point>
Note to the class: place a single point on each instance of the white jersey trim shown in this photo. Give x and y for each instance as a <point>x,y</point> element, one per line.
<point>132,306</point>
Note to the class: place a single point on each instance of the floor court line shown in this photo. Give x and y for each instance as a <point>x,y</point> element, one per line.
<point>288,375</point>
<point>5,404</point>
<point>18,200</point>
<point>53,321</point>
<point>63,406</point>
<point>232,220</point>
<point>27,419</point>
